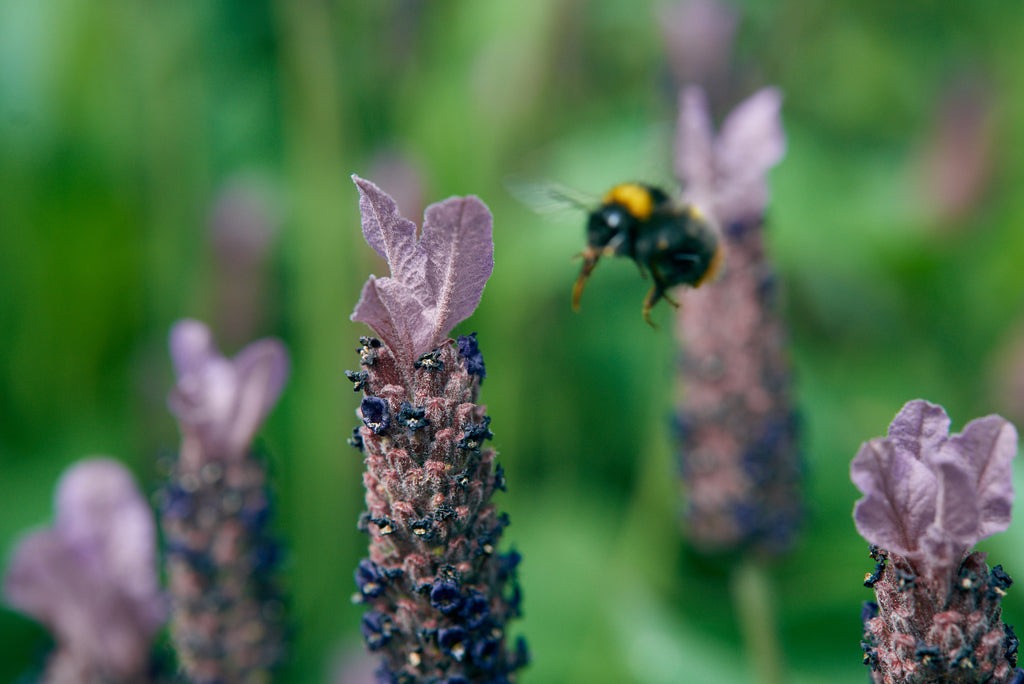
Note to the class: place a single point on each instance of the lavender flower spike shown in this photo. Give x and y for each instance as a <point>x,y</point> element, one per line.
<point>929,497</point>
<point>438,592</point>
<point>740,459</point>
<point>227,613</point>
<point>91,578</point>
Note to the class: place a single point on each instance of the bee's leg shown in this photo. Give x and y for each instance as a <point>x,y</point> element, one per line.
<point>590,257</point>
<point>670,300</point>
<point>650,300</point>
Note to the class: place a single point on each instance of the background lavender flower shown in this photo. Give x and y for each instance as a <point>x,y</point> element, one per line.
<point>438,593</point>
<point>227,621</point>
<point>928,499</point>
<point>91,578</point>
<point>740,461</point>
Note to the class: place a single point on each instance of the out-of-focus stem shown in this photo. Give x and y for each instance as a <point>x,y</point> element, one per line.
<point>754,604</point>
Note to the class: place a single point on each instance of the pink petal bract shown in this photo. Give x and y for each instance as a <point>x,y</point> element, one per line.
<point>727,174</point>
<point>930,496</point>
<point>436,281</point>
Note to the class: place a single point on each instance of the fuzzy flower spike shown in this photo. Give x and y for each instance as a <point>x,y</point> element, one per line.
<point>740,460</point>
<point>226,608</point>
<point>929,497</point>
<point>91,578</point>
<point>438,592</point>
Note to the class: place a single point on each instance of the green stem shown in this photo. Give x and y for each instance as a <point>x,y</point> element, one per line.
<point>754,604</point>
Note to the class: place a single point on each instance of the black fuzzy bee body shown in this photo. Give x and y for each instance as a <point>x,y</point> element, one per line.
<point>674,243</point>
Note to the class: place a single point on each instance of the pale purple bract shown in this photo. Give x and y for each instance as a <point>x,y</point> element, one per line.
<point>437,278</point>
<point>222,402</point>
<point>727,174</point>
<point>930,496</point>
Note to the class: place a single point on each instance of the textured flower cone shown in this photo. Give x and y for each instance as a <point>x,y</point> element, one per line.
<point>740,459</point>
<point>439,594</point>
<point>942,629</point>
<point>228,614</point>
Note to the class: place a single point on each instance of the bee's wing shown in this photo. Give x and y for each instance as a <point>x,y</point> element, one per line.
<point>550,198</point>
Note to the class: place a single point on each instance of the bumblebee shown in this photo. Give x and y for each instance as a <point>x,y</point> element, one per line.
<point>675,243</point>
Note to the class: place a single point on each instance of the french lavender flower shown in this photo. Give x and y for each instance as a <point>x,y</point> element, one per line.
<point>91,578</point>
<point>929,497</point>
<point>438,592</point>
<point>740,462</point>
<point>227,611</point>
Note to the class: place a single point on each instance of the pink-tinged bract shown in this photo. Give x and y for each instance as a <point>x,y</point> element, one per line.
<point>222,402</point>
<point>437,278</point>
<point>930,496</point>
<point>727,174</point>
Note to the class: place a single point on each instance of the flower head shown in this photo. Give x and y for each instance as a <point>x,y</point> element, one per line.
<point>222,402</point>
<point>929,496</point>
<point>436,278</point>
<point>91,578</point>
<point>726,174</point>
<point>438,594</point>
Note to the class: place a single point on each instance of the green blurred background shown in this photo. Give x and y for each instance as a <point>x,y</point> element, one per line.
<point>169,159</point>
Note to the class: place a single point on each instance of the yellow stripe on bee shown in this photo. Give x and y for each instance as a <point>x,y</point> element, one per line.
<point>634,197</point>
<point>695,213</point>
<point>713,268</point>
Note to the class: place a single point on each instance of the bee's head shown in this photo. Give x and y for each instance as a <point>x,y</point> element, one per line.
<point>610,225</point>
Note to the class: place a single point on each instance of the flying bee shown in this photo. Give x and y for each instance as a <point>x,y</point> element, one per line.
<point>673,242</point>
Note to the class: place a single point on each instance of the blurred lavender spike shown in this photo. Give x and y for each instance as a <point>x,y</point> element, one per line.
<point>741,462</point>
<point>699,37</point>
<point>227,611</point>
<point>218,402</point>
<point>928,498</point>
<point>436,279</point>
<point>91,578</point>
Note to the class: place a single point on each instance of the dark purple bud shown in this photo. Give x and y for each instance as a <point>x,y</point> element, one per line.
<point>356,440</point>
<point>368,350</point>
<point>475,610</point>
<point>453,641</point>
<point>430,361</point>
<point>508,564</point>
<point>499,478</point>
<point>474,436</point>
<point>445,597</point>
<point>1000,579</point>
<point>413,417</point>
<point>483,652</point>
<point>522,655</point>
<point>358,379</point>
<point>470,350</point>
<point>369,579</point>
<point>457,679</point>
<point>376,629</point>
<point>1010,645</point>
<point>868,611</point>
<point>374,412</point>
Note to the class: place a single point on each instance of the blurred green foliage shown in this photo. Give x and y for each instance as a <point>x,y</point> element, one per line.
<point>122,123</point>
